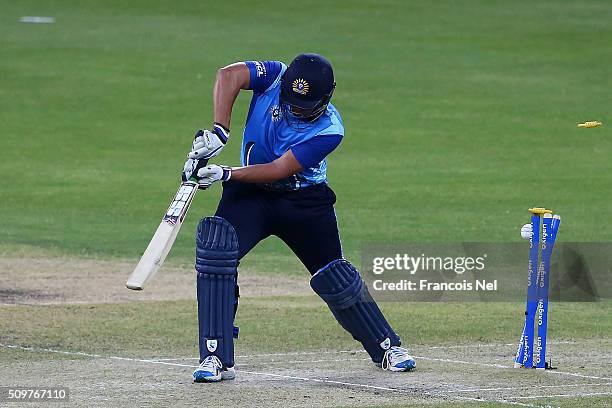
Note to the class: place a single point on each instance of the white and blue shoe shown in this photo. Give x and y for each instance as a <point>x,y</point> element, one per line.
<point>211,370</point>
<point>397,359</point>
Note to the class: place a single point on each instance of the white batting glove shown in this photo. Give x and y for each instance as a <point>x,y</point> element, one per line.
<point>208,143</point>
<point>189,169</point>
<point>526,231</point>
<point>212,173</point>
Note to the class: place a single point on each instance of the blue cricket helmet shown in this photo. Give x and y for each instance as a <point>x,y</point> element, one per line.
<point>307,86</point>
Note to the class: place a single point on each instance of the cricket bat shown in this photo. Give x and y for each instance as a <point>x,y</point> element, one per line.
<point>166,234</point>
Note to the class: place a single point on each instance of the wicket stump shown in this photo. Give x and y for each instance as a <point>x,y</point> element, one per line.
<point>544,225</point>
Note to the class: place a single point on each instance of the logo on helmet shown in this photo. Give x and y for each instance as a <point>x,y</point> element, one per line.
<point>300,86</point>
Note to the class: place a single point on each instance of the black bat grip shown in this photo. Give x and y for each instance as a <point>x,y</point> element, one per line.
<point>201,163</point>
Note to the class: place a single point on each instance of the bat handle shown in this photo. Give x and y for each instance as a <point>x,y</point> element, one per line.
<point>201,163</point>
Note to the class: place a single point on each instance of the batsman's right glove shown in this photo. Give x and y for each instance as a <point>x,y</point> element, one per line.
<point>207,175</point>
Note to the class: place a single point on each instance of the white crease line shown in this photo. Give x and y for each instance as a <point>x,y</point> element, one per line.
<point>376,387</point>
<point>462,346</point>
<point>418,348</point>
<point>592,377</point>
<point>70,353</point>
<point>141,360</point>
<point>319,380</point>
<point>303,353</point>
<point>307,379</point>
<point>82,354</point>
<point>179,359</point>
<point>577,395</point>
<point>446,360</point>
<point>501,401</point>
<point>555,371</point>
<point>296,353</point>
<point>79,353</point>
<point>443,360</point>
<point>338,360</point>
<point>538,386</point>
<point>348,360</point>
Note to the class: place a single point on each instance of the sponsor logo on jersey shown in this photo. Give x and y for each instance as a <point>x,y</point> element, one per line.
<point>276,113</point>
<point>260,68</point>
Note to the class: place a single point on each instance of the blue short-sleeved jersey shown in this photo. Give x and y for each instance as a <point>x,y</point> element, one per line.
<point>267,136</point>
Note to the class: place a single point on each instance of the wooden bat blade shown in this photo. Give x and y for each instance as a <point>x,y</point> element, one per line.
<point>154,255</point>
<point>164,237</point>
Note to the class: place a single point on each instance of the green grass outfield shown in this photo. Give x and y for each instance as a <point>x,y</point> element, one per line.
<point>459,116</point>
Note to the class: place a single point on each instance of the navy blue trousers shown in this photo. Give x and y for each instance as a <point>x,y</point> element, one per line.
<point>304,219</point>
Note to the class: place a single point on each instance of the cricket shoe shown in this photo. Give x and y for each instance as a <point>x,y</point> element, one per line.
<point>211,370</point>
<point>397,359</point>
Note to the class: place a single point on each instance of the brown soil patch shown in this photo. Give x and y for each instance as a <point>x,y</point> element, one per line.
<point>63,280</point>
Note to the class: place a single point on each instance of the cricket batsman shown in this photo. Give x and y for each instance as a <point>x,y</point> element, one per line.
<point>280,189</point>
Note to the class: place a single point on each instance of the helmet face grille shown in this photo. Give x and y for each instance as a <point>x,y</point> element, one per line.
<point>307,114</point>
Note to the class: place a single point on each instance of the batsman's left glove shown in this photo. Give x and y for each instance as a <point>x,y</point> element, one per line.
<point>208,143</point>
<point>189,169</point>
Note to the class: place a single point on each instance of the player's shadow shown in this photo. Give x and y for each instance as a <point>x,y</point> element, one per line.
<point>575,282</point>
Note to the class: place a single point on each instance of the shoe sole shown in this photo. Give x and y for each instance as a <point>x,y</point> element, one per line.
<point>215,378</point>
<point>399,370</point>
<point>229,374</point>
